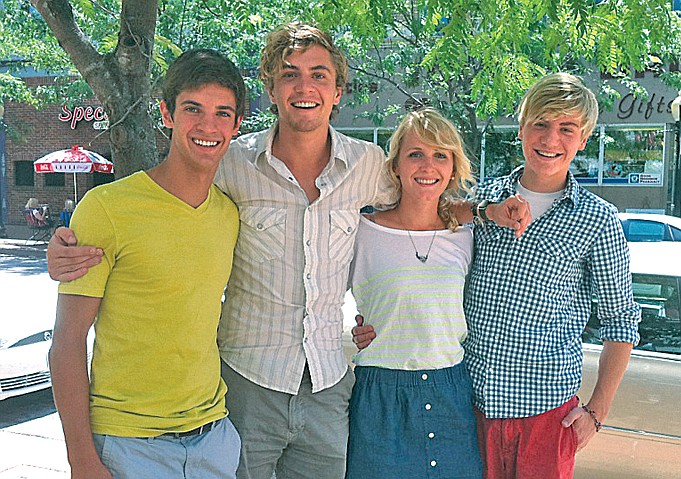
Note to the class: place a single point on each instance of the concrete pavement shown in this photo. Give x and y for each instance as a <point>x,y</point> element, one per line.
<point>18,244</point>
<point>31,440</point>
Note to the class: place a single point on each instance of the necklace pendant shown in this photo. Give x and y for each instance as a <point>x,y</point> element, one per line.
<point>421,258</point>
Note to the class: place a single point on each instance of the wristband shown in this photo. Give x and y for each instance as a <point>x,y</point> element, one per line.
<point>479,212</point>
<point>592,413</point>
<point>482,210</point>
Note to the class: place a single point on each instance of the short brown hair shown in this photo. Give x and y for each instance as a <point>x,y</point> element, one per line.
<point>297,36</point>
<point>203,66</point>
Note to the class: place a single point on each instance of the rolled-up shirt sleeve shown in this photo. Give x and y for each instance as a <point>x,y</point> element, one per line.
<point>618,313</point>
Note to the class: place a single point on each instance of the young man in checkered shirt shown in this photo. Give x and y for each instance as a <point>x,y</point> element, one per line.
<point>529,299</point>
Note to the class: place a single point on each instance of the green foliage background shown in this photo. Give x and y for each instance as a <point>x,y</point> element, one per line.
<point>472,59</point>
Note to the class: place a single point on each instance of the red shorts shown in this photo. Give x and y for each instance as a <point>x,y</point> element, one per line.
<point>536,447</point>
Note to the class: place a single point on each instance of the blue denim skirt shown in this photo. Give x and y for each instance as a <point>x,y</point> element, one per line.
<point>412,424</point>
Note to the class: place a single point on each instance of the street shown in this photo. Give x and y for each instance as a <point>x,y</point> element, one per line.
<point>31,438</point>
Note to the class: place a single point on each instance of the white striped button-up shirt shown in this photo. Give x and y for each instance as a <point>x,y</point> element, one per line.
<point>291,261</point>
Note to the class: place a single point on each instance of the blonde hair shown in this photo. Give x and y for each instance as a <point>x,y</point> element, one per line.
<point>432,128</point>
<point>32,203</point>
<point>298,37</point>
<point>556,95</point>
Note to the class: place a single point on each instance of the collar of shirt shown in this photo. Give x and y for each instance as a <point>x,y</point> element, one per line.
<point>498,191</point>
<point>263,149</point>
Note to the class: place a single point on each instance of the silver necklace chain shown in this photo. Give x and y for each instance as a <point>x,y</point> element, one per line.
<point>422,258</point>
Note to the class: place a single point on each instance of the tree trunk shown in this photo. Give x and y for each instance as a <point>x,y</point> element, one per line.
<point>121,80</point>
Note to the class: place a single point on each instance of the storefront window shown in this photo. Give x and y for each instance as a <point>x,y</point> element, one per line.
<point>384,139</point>
<point>382,135</point>
<point>585,165</point>
<point>633,157</point>
<point>503,153</point>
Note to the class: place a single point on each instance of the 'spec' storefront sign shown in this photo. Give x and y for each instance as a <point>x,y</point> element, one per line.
<point>87,113</point>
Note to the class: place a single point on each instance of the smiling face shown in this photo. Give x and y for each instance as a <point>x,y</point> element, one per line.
<point>203,124</point>
<point>549,145</point>
<point>305,90</point>
<point>424,170</point>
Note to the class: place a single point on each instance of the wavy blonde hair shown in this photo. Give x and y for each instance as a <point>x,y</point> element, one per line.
<point>298,37</point>
<point>432,128</point>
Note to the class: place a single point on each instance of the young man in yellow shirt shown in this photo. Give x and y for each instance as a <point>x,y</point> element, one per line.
<point>154,406</point>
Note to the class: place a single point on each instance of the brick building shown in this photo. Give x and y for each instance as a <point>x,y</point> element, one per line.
<point>31,133</point>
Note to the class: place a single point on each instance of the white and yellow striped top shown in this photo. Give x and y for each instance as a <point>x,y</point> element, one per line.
<point>415,308</point>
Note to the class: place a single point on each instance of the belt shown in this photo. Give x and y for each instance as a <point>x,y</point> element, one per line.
<point>194,432</point>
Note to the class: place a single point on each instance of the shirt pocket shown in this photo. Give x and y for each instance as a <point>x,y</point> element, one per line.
<point>343,228</point>
<point>557,262</point>
<point>489,250</point>
<point>262,234</point>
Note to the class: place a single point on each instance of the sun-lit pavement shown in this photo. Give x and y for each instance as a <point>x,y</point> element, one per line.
<point>31,440</point>
<point>33,448</point>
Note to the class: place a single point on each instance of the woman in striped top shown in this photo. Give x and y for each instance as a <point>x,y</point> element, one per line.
<point>411,412</point>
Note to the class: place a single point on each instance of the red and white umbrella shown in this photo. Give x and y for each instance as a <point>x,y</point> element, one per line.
<point>74,160</point>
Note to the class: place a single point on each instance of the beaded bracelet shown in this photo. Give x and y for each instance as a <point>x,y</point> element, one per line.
<point>592,413</point>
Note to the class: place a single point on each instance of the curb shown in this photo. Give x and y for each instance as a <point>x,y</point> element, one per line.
<point>17,248</point>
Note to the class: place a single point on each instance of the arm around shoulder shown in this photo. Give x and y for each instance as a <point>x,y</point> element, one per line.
<point>65,260</point>
<point>514,212</point>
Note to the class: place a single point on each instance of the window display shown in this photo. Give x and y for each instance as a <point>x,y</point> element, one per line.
<point>631,156</point>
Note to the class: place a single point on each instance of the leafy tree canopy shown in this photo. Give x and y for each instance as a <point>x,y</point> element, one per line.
<point>473,59</point>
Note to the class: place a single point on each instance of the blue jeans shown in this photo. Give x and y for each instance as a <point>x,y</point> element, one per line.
<point>416,424</point>
<point>211,455</point>
<point>302,436</point>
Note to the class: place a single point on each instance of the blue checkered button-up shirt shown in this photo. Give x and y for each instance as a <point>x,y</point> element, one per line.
<point>529,300</point>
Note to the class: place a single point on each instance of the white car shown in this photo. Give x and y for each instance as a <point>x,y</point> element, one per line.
<point>641,437</point>
<point>29,300</point>
<point>650,227</point>
<point>23,359</point>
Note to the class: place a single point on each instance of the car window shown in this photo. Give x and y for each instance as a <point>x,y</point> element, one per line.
<point>644,230</point>
<point>660,327</point>
<point>676,233</point>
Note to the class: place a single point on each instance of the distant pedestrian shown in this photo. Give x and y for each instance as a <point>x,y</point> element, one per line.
<point>65,214</point>
<point>40,213</point>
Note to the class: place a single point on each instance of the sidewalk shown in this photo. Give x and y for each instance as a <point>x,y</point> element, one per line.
<point>34,450</point>
<point>17,243</point>
<point>31,439</point>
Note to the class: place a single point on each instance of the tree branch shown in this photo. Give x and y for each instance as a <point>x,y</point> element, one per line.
<point>387,80</point>
<point>58,15</point>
